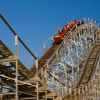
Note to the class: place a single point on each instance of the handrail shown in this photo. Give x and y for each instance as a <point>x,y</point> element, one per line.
<point>16,34</point>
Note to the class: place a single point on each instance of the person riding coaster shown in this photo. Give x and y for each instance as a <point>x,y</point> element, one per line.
<point>58,38</point>
<point>61,34</point>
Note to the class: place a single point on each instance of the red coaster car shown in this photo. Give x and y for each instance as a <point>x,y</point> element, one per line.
<point>62,34</point>
<point>72,24</point>
<point>78,22</point>
<point>66,28</point>
<point>58,39</point>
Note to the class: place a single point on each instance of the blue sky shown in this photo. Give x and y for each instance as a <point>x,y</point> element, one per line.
<point>37,20</point>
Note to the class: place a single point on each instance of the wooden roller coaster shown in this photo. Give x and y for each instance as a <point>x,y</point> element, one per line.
<point>17,82</point>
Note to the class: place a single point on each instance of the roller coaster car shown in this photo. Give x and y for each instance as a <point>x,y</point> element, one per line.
<point>58,39</point>
<point>72,24</point>
<point>79,22</point>
<point>62,34</point>
<point>66,28</point>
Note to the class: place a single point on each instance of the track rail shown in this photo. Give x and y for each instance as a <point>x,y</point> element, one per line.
<point>16,34</point>
<point>90,65</point>
<point>86,77</point>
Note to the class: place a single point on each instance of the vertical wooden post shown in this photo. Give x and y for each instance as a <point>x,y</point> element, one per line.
<point>17,51</point>
<point>1,97</point>
<point>37,84</point>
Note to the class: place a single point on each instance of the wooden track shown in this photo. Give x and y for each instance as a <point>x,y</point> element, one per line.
<point>6,53</point>
<point>90,65</point>
<point>48,54</point>
<point>27,88</point>
<point>89,70</point>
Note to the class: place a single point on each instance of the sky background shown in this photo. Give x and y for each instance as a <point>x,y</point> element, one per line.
<point>37,20</point>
